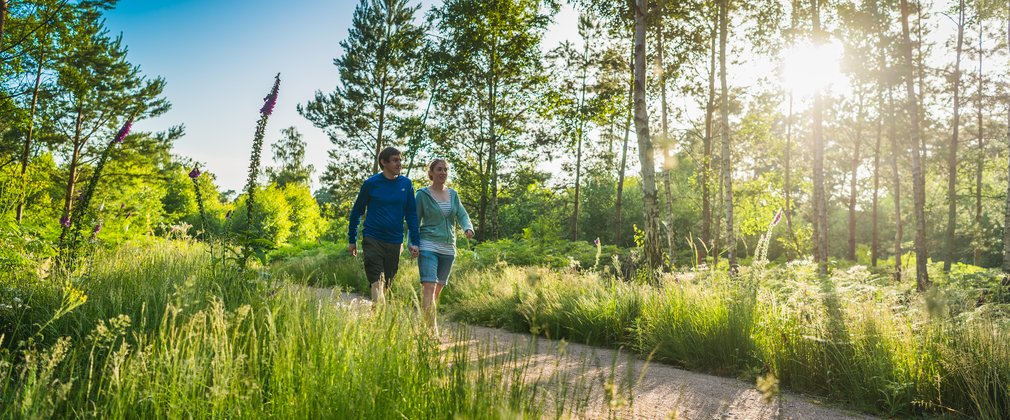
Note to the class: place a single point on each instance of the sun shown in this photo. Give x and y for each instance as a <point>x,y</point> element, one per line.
<point>809,68</point>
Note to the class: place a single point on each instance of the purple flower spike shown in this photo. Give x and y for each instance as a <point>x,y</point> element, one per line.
<point>271,99</point>
<point>195,173</point>
<point>123,131</point>
<point>778,217</point>
<point>65,221</point>
<point>98,228</point>
<point>596,241</point>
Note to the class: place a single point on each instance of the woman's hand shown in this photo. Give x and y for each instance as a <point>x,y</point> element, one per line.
<point>469,233</point>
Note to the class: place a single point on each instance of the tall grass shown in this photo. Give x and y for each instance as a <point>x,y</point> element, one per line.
<point>159,337</point>
<point>855,338</point>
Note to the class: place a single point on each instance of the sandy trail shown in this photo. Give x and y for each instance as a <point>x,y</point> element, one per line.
<point>644,390</point>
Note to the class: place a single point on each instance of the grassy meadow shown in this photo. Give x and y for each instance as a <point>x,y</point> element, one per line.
<point>154,331</point>
<point>856,338</point>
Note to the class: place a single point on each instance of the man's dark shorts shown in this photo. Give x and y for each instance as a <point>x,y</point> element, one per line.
<point>381,260</point>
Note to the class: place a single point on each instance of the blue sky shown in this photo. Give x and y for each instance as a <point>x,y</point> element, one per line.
<point>219,57</point>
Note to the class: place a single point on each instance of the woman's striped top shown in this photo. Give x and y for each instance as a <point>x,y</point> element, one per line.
<point>440,248</point>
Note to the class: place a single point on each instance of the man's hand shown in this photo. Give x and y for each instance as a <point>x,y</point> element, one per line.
<point>352,249</point>
<point>469,234</point>
<point>414,251</point>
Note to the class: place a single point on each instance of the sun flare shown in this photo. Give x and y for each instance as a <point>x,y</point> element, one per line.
<point>808,68</point>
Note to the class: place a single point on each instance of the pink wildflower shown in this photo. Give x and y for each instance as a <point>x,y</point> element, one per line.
<point>271,99</point>
<point>124,131</point>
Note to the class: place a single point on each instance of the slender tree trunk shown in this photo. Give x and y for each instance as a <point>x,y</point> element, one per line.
<point>952,148</point>
<point>1006,213</point>
<point>382,124</point>
<point>918,181</point>
<point>884,86</point>
<point>706,170</point>
<point>27,149</point>
<point>653,251</point>
<point>68,200</point>
<point>667,172</point>
<point>977,257</point>
<point>618,205</point>
<point>820,233</point>
<point>875,230</point>
<point>485,230</point>
<point>485,183</point>
<point>726,157</point>
<point>578,141</point>
<point>3,19</point>
<point>854,169</point>
<point>896,151</point>
<point>787,186</point>
<point>492,222</point>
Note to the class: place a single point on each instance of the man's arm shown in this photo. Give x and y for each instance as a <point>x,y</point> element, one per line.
<point>411,216</point>
<point>357,211</point>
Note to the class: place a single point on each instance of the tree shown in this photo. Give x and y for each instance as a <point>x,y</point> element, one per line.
<point>952,147</point>
<point>619,199</point>
<point>488,59</point>
<point>653,252</point>
<point>97,90</point>
<point>707,160</point>
<point>918,178</point>
<point>820,207</point>
<point>381,80</point>
<point>1006,212</point>
<point>289,153</point>
<point>725,157</point>
<point>574,111</point>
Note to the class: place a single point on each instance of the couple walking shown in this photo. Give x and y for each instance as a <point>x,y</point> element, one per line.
<point>387,199</point>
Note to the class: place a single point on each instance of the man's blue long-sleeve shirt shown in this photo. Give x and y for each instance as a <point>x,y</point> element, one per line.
<point>389,202</point>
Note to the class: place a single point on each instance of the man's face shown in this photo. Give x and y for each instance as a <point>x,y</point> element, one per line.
<point>392,165</point>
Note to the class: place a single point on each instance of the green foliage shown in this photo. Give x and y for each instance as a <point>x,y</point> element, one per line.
<point>271,224</point>
<point>306,222</point>
<point>381,81</point>
<point>289,152</point>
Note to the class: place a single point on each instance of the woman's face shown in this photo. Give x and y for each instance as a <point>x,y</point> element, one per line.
<point>439,173</point>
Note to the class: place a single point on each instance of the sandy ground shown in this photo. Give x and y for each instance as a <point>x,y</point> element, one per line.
<point>637,389</point>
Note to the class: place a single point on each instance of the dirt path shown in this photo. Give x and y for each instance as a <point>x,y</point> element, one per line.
<point>657,391</point>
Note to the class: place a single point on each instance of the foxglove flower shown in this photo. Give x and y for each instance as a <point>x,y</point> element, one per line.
<point>96,229</point>
<point>596,242</point>
<point>65,221</point>
<point>271,99</point>
<point>195,173</point>
<point>778,217</point>
<point>123,131</point>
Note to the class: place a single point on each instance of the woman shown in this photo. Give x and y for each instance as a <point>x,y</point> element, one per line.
<point>439,211</point>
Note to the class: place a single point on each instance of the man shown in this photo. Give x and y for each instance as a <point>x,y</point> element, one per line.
<point>389,200</point>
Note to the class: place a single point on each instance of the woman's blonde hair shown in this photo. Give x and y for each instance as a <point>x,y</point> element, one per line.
<point>434,162</point>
